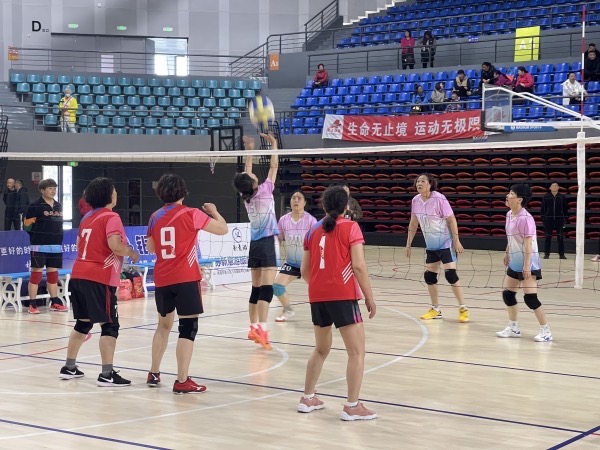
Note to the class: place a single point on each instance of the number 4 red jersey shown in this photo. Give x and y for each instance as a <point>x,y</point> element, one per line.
<point>331,275</point>
<point>95,260</point>
<point>174,229</point>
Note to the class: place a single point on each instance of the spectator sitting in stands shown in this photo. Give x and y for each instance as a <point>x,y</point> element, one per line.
<point>487,75</point>
<point>591,49</point>
<point>321,77</point>
<point>571,90</point>
<point>591,69</point>
<point>427,49</point>
<point>501,79</point>
<point>438,97</point>
<point>462,85</point>
<point>418,98</point>
<point>454,104</point>
<point>407,44</point>
<point>524,81</point>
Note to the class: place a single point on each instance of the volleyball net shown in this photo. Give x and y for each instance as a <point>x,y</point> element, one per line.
<point>475,177</point>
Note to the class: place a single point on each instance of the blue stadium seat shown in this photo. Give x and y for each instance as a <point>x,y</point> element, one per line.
<point>23,88</point>
<point>118,100</point>
<point>102,100</point>
<point>93,110</point>
<point>249,93</point>
<point>174,91</point>
<point>133,100</point>
<point>227,122</point>
<point>233,113</point>
<point>118,121</point>
<point>50,120</point>
<point>368,89</point>
<point>99,89</point>
<point>48,79</point>
<point>41,109</point>
<point>211,84</point>
<point>518,113</point>
<point>239,103</point>
<point>86,100</point>
<point>218,112</point>
<point>209,103</point>
<point>219,93</point>
<point>376,98</point>
<point>166,122</point>
<point>53,99</point>
<point>535,112</point>
<point>226,84</point>
<point>590,110</point>
<point>173,111</point>
<point>79,80</point>
<point>213,123</point>
<point>183,132</point>
<point>203,112</point>
<point>225,102</point>
<point>103,131</point>
<point>188,112</point>
<point>182,83</point>
<point>119,131</point>
<point>135,131</point>
<point>194,102</point>
<point>102,121</point>
<point>197,123</point>
<point>255,85</point>
<point>33,78</point>
<point>593,87</point>
<point>152,131</point>
<point>63,79</point>
<point>168,82</point>
<point>109,110</point>
<point>153,82</point>
<point>130,90</point>
<point>16,78</point>
<point>38,98</point>
<point>115,90</point>
<point>38,88</point>
<point>135,122</point>
<point>235,93</point>
<point>390,97</point>
<point>158,91</point>
<point>85,121</point>
<point>149,101</point>
<point>150,122</point>
<point>189,92</point>
<point>204,92</point>
<point>542,89</point>
<point>157,111</point>
<point>139,81</point>
<point>93,80</point>
<point>125,111</point>
<point>83,89</point>
<point>559,77</point>
<point>164,101</point>
<point>178,102</point>
<point>240,84</point>
<point>108,81</point>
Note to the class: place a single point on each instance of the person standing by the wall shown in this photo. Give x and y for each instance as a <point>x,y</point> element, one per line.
<point>11,216</point>
<point>22,201</point>
<point>554,213</point>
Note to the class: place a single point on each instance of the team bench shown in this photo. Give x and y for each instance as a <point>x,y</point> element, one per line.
<point>207,266</point>
<point>11,284</point>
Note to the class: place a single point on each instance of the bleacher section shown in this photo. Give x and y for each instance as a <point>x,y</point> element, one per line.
<point>454,18</point>
<point>138,105</point>
<point>392,94</point>
<point>475,182</point>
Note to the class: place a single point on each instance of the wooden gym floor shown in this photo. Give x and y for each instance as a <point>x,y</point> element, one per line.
<point>435,384</point>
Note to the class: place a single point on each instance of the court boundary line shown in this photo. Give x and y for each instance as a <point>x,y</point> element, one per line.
<point>575,438</point>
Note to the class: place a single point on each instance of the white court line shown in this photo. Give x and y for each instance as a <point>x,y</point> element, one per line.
<point>424,337</point>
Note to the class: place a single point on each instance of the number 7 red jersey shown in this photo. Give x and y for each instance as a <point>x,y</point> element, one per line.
<point>174,229</point>
<point>95,260</point>
<point>331,274</point>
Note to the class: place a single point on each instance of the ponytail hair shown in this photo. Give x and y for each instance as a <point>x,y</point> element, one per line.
<point>334,201</point>
<point>244,184</point>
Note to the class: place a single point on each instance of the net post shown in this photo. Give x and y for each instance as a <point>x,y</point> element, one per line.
<point>580,225</point>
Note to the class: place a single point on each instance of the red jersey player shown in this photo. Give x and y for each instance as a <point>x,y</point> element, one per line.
<point>334,267</point>
<point>173,236</point>
<point>101,246</point>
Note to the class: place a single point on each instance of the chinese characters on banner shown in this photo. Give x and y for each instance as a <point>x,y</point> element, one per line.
<point>418,128</point>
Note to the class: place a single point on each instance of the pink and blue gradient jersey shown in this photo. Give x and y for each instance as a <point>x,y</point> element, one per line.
<point>293,234</point>
<point>432,215</point>
<point>261,212</point>
<point>517,229</point>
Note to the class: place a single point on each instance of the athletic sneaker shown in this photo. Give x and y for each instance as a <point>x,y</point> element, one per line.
<point>358,412</point>
<point>463,315</point>
<point>287,315</point>
<point>33,309</point>
<point>113,380</point>
<point>432,314</point>
<point>153,379</point>
<point>59,307</point>
<point>309,405</point>
<point>596,258</point>
<point>189,386</point>
<point>69,374</point>
<point>261,337</point>
<point>251,335</point>
<point>509,332</point>
<point>544,335</point>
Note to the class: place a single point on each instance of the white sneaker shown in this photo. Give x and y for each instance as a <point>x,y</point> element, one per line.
<point>509,332</point>
<point>596,258</point>
<point>544,336</point>
<point>287,315</point>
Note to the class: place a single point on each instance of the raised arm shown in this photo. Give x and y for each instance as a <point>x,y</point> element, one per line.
<point>218,225</point>
<point>274,167</point>
<point>249,144</point>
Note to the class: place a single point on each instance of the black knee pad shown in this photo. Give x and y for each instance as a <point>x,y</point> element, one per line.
<point>430,277</point>
<point>254,295</point>
<point>266,293</point>
<point>188,327</point>
<point>451,276</point>
<point>110,329</point>
<point>83,327</point>
<point>531,300</point>
<point>509,297</point>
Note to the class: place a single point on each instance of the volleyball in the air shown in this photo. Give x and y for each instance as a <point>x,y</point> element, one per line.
<point>261,111</point>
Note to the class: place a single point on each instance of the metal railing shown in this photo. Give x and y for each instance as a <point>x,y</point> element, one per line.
<point>499,51</point>
<point>122,62</point>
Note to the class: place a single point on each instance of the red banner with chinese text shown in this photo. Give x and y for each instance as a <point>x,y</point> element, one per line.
<point>417,128</point>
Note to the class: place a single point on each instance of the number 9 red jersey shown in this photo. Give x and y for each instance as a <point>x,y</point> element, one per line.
<point>174,229</point>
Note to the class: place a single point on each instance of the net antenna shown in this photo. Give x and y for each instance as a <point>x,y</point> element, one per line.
<point>497,104</point>
<point>224,139</point>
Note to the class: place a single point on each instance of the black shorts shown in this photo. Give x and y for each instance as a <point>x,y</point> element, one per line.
<point>183,297</point>
<point>262,253</point>
<point>292,271</point>
<point>39,260</point>
<point>94,301</point>
<point>444,255</point>
<point>338,312</point>
<point>519,275</point>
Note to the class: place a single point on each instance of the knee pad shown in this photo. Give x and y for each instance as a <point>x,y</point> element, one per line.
<point>451,276</point>
<point>188,327</point>
<point>110,329</point>
<point>278,289</point>
<point>35,278</point>
<point>509,297</point>
<point>531,300</point>
<point>254,295</point>
<point>430,277</point>
<point>83,327</point>
<point>266,293</point>
<point>52,277</point>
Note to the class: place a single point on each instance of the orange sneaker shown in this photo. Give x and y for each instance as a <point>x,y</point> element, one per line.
<point>58,307</point>
<point>251,334</point>
<point>33,309</point>
<point>358,412</point>
<point>261,337</point>
<point>309,405</point>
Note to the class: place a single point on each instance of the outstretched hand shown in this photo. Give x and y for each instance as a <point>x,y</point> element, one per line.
<point>270,138</point>
<point>249,143</point>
